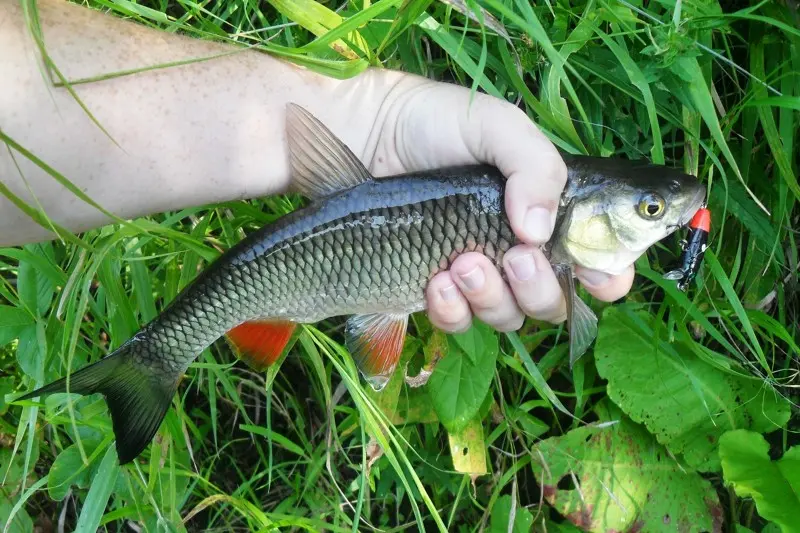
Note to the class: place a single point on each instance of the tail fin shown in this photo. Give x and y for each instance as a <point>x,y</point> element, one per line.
<point>137,397</point>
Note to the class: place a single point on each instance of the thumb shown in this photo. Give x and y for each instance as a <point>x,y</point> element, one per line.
<point>499,133</point>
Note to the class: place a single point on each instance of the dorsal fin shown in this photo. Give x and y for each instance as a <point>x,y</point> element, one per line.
<point>321,164</point>
<point>260,343</point>
<point>376,343</point>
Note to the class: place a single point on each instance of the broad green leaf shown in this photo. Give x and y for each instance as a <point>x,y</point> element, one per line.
<point>563,527</point>
<point>616,477</point>
<point>459,384</point>
<point>12,321</point>
<point>473,342</point>
<point>685,402</point>
<point>44,264</point>
<point>532,426</point>
<point>774,485</point>
<point>67,469</point>
<point>21,523</point>
<point>12,466</point>
<point>468,449</point>
<point>35,289</point>
<point>31,350</point>
<point>501,516</point>
<point>414,406</point>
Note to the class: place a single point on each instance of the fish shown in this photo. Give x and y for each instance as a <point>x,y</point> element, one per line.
<point>693,249</point>
<point>366,247</point>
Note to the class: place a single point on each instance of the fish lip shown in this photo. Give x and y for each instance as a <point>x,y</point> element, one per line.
<point>695,204</point>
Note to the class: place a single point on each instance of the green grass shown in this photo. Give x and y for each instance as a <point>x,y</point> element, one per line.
<point>711,89</point>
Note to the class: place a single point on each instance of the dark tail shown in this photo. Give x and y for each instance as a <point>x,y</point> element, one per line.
<point>137,397</point>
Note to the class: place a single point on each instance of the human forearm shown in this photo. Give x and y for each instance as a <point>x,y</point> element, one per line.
<point>188,135</point>
<point>214,131</point>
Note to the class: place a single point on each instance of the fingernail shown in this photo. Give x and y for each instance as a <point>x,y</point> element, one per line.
<point>593,278</point>
<point>539,224</point>
<point>523,266</point>
<point>449,293</point>
<point>474,279</point>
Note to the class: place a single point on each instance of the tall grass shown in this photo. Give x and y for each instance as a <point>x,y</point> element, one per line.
<point>712,88</point>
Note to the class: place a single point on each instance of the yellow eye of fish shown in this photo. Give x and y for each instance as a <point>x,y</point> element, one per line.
<point>651,206</point>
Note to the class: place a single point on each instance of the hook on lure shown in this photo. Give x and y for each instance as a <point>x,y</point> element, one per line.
<point>694,248</point>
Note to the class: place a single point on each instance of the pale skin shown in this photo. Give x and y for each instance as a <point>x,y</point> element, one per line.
<point>214,131</point>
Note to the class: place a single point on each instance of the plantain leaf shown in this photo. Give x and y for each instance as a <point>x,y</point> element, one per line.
<point>685,402</point>
<point>616,477</point>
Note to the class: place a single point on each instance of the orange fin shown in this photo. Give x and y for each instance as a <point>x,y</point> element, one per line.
<point>260,343</point>
<point>376,342</point>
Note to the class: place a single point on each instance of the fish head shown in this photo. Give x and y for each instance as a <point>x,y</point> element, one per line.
<point>617,209</point>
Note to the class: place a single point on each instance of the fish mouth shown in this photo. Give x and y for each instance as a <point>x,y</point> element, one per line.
<point>694,204</point>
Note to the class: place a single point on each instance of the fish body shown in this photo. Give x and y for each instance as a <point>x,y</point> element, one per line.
<point>367,248</point>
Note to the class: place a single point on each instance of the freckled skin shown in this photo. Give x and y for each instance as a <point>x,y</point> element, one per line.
<point>213,131</point>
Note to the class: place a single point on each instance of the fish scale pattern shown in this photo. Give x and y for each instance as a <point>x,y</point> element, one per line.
<point>370,261</point>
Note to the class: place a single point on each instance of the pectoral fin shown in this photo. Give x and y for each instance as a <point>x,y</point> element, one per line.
<point>581,320</point>
<point>376,343</point>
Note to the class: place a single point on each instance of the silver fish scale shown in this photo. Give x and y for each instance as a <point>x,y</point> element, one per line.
<point>314,264</point>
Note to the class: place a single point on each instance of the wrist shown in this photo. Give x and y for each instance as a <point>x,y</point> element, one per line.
<point>363,105</point>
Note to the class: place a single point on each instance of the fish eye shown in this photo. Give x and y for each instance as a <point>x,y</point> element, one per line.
<point>651,206</point>
<point>674,186</point>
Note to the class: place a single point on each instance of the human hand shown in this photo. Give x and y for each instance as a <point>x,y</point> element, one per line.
<point>424,124</point>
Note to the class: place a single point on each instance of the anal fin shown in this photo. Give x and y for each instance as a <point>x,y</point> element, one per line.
<point>260,343</point>
<point>376,343</point>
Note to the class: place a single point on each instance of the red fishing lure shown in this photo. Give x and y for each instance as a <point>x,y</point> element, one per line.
<point>694,249</point>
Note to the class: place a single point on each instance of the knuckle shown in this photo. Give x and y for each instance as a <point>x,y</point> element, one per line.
<point>449,316</point>
<point>460,325</point>
<point>513,324</point>
<point>544,308</point>
<point>487,299</point>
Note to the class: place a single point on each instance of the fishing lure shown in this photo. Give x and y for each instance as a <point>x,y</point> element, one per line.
<point>694,248</point>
